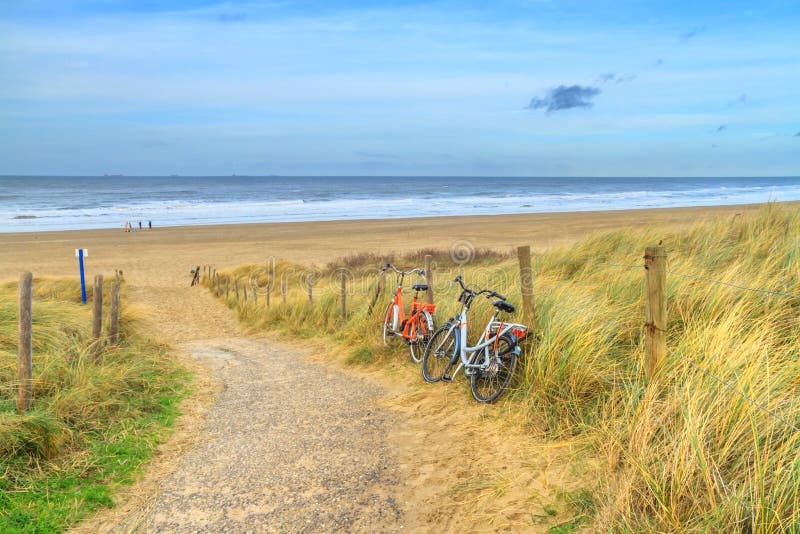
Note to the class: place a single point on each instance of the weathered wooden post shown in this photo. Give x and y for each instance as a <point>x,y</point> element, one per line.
<point>113,322</point>
<point>344,295</point>
<point>227,289</point>
<point>655,341</point>
<point>97,313</point>
<point>310,288</point>
<point>526,284</point>
<point>267,295</point>
<point>244,293</point>
<point>254,287</point>
<point>24,351</point>
<point>283,289</point>
<point>378,290</point>
<point>429,277</point>
<point>236,289</point>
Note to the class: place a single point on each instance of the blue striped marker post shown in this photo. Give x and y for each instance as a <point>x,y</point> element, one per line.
<point>80,253</point>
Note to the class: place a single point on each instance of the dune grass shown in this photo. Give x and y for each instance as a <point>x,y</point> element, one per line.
<point>92,425</point>
<point>693,450</point>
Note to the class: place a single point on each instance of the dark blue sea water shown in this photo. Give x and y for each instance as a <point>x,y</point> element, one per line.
<point>69,202</point>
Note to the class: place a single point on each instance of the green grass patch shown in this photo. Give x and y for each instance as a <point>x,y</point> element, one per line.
<point>361,354</point>
<point>93,425</point>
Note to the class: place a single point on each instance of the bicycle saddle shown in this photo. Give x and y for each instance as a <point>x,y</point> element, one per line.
<point>420,287</point>
<point>502,305</point>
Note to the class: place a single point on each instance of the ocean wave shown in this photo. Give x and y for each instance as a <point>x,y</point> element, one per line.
<point>382,199</point>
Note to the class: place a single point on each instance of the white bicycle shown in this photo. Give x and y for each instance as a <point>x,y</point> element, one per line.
<point>490,363</point>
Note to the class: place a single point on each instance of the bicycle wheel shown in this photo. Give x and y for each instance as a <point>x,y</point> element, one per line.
<point>390,319</point>
<point>422,331</point>
<point>440,353</point>
<point>488,384</point>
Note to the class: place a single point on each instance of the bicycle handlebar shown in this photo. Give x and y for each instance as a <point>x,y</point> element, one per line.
<point>488,292</point>
<point>418,270</point>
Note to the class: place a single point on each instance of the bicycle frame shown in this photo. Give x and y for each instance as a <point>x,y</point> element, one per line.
<point>414,312</point>
<point>491,336</point>
<point>398,299</point>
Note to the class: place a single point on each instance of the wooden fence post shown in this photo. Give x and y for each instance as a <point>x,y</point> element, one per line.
<point>113,322</point>
<point>24,356</point>
<point>526,284</point>
<point>378,291</point>
<point>429,277</point>
<point>97,313</point>
<point>267,299</point>
<point>310,284</point>
<point>655,346</point>
<point>227,289</point>
<point>254,287</point>
<point>244,293</point>
<point>344,295</point>
<point>283,290</point>
<point>236,289</point>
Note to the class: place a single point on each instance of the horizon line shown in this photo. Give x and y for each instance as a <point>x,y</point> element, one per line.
<point>381,176</point>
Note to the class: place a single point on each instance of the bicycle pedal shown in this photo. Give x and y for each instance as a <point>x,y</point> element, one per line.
<point>446,378</point>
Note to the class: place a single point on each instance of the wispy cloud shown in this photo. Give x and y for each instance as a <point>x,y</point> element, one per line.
<point>232,18</point>
<point>740,100</point>
<point>565,97</point>
<point>694,32</point>
<point>611,77</point>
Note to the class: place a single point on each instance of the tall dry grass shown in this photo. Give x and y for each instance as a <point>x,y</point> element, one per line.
<point>711,444</point>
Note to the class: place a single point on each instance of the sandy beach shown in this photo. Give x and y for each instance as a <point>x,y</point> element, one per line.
<point>164,256</point>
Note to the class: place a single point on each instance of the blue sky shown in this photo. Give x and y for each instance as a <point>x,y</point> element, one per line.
<point>524,88</point>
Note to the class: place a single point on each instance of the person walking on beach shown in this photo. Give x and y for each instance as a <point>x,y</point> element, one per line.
<point>140,225</point>
<point>150,225</point>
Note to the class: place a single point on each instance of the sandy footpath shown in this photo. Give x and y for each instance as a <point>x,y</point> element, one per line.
<point>288,446</point>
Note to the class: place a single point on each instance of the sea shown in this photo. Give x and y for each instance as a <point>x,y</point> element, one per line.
<point>38,203</point>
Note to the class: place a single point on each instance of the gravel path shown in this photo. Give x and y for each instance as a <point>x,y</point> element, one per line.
<point>288,446</point>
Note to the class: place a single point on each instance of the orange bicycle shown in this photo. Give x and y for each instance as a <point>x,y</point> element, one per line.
<point>417,328</point>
